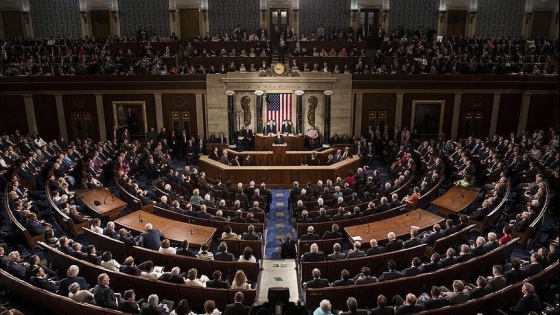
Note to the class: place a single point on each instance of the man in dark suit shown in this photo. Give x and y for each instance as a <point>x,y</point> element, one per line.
<point>436,300</point>
<point>103,295</point>
<point>392,273</point>
<point>114,134</point>
<point>110,230</point>
<point>356,252</point>
<point>365,277</point>
<point>129,304</point>
<point>216,281</point>
<point>459,295</point>
<point>310,235</point>
<point>153,307</point>
<point>72,276</point>
<point>333,234</point>
<point>313,255</point>
<point>237,308</point>
<point>184,249</point>
<point>382,308</point>
<point>413,241</point>
<point>528,303</point>
<point>534,267</point>
<point>374,249</point>
<point>129,267</point>
<point>223,254</point>
<point>249,235</point>
<point>323,216</point>
<point>344,279</point>
<point>173,276</point>
<point>394,243</point>
<point>432,237</point>
<point>270,127</point>
<point>150,238</point>
<point>336,255</point>
<point>317,282</point>
<point>413,270</point>
<point>278,139</point>
<point>287,127</point>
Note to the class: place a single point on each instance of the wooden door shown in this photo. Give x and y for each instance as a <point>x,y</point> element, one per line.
<point>100,23</point>
<point>541,23</point>
<point>279,17</point>
<point>82,125</point>
<point>369,19</point>
<point>13,24</point>
<point>473,124</point>
<point>181,120</point>
<point>189,19</point>
<point>456,22</point>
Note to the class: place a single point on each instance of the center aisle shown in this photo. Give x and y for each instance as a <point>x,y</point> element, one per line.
<point>279,223</point>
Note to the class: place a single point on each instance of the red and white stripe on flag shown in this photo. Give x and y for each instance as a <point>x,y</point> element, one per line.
<point>279,107</point>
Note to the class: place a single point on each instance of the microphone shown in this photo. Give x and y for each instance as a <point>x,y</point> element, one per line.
<point>107,195</point>
<point>368,227</point>
<point>140,217</point>
<point>462,195</point>
<point>190,226</point>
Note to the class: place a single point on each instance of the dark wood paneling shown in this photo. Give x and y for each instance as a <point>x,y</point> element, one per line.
<point>189,22</point>
<point>12,114</point>
<point>543,111</point>
<point>108,100</point>
<point>46,116</point>
<point>79,103</point>
<point>508,115</point>
<point>378,101</point>
<point>448,110</point>
<point>181,102</point>
<point>476,103</point>
<point>541,23</point>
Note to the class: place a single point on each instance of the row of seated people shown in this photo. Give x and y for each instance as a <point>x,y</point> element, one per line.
<point>78,289</point>
<point>462,291</point>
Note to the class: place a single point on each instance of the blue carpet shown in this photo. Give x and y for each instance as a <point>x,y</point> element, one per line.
<point>278,224</point>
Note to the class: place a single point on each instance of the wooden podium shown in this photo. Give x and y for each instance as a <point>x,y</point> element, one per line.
<point>279,153</point>
<point>264,142</point>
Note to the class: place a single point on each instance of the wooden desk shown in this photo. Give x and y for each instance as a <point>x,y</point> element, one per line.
<point>455,200</point>
<point>400,225</point>
<point>264,143</point>
<point>277,176</point>
<point>273,158</point>
<point>110,207</point>
<point>173,230</point>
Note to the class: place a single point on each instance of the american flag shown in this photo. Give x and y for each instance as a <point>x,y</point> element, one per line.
<point>279,107</point>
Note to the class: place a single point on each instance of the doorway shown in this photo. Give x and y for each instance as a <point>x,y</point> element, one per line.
<point>100,23</point>
<point>82,125</point>
<point>456,22</point>
<point>541,23</point>
<point>181,120</point>
<point>190,26</point>
<point>13,24</point>
<point>279,17</point>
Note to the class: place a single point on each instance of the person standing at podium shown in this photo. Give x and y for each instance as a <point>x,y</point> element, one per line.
<point>287,127</point>
<point>278,139</point>
<point>270,127</point>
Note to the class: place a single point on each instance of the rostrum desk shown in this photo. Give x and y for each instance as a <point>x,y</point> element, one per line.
<point>277,176</point>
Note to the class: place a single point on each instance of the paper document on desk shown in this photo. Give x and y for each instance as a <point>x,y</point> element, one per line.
<point>357,238</point>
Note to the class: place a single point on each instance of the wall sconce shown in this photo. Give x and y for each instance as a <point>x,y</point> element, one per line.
<point>25,15</point>
<point>115,15</point>
<point>471,17</point>
<point>263,11</point>
<point>385,14</point>
<point>442,16</point>
<point>528,17</point>
<point>204,11</point>
<point>173,14</point>
<point>354,13</point>
<point>84,16</point>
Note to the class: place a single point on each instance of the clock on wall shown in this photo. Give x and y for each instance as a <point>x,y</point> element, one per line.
<point>279,69</point>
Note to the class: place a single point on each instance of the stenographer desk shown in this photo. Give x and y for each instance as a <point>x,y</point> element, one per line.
<point>281,175</point>
<point>400,225</point>
<point>109,206</point>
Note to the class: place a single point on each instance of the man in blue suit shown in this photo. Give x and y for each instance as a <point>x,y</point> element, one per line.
<point>72,276</point>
